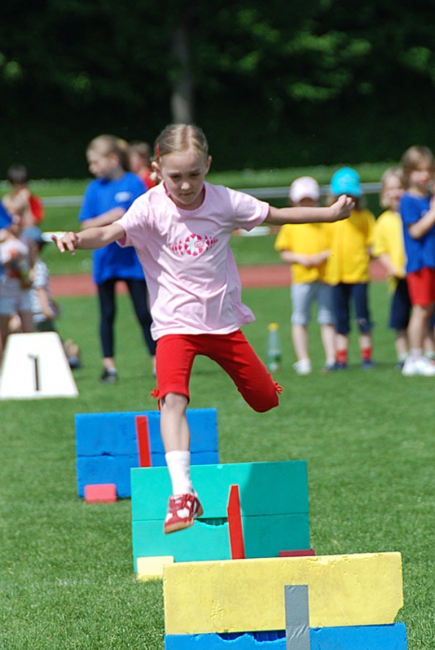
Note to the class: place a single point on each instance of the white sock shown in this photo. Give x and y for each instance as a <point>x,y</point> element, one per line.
<point>416,353</point>
<point>178,463</point>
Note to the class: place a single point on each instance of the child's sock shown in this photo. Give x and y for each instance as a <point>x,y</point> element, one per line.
<point>366,354</point>
<point>430,354</point>
<point>178,463</point>
<point>416,353</point>
<point>401,358</point>
<point>342,356</point>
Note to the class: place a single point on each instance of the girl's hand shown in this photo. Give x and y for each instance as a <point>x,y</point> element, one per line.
<point>68,242</point>
<point>341,209</point>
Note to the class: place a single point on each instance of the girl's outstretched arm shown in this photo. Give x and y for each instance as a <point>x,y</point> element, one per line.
<point>89,238</point>
<point>336,212</point>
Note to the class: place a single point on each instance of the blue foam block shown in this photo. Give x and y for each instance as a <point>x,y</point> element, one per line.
<point>115,433</point>
<point>95,470</point>
<point>362,637</point>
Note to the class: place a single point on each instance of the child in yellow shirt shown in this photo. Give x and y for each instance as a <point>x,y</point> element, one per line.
<point>349,262</point>
<point>306,248</point>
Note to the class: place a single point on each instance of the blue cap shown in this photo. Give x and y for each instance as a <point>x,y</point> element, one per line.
<point>346,181</point>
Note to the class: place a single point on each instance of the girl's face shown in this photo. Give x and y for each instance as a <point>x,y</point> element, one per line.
<point>420,178</point>
<point>183,174</point>
<point>392,192</point>
<point>103,166</point>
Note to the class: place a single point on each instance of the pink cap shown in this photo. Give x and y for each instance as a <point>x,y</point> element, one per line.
<point>304,187</point>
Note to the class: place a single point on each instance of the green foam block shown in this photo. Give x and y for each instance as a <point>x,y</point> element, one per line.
<point>264,536</point>
<point>265,489</point>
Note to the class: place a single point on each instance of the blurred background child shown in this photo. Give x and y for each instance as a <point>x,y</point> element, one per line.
<point>19,179</point>
<point>417,209</point>
<point>139,158</point>
<point>349,269</point>
<point>306,248</point>
<point>45,310</point>
<point>16,259</point>
<point>106,199</point>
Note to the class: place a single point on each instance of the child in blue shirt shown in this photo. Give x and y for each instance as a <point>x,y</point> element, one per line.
<point>106,199</point>
<point>417,209</point>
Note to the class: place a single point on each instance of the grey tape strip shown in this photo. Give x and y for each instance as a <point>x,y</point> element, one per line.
<point>297,617</point>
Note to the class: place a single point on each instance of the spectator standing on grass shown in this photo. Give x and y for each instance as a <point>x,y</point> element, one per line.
<point>181,230</point>
<point>306,247</point>
<point>417,208</point>
<point>106,199</point>
<point>352,242</point>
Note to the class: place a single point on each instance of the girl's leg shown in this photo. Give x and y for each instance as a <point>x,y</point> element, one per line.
<point>418,325</point>
<point>139,296</point>
<point>174,359</point>
<point>340,299</point>
<point>26,321</point>
<point>327,333</point>
<point>300,341</point>
<point>106,295</point>
<point>236,356</point>
<point>362,313</point>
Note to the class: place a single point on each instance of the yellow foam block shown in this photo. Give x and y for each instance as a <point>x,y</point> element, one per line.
<point>151,568</point>
<point>248,595</point>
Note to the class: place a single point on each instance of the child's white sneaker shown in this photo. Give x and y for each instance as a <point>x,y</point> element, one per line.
<point>302,367</point>
<point>419,366</point>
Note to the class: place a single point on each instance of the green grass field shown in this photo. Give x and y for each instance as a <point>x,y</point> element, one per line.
<point>66,571</point>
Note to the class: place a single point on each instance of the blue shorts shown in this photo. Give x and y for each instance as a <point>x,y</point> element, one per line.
<point>400,307</point>
<point>303,294</point>
<point>342,295</point>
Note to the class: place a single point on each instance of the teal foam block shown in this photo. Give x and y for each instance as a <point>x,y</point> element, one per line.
<point>209,539</point>
<point>363,637</point>
<point>106,445</point>
<point>265,489</point>
<point>274,505</point>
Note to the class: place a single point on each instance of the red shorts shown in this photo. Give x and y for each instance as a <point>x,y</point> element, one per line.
<point>421,286</point>
<point>176,352</point>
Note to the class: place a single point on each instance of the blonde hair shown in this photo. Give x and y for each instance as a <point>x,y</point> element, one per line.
<point>179,138</point>
<point>143,149</point>
<point>110,144</point>
<point>413,158</point>
<point>391,172</point>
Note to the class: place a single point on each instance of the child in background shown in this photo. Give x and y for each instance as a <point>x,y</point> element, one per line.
<point>389,249</point>
<point>106,199</point>
<point>306,248</point>
<point>417,209</point>
<point>45,310</point>
<point>349,269</point>
<point>16,259</point>
<point>19,179</point>
<point>139,157</point>
<point>181,231</point>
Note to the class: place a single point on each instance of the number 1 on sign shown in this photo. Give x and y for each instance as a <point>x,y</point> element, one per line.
<point>35,359</point>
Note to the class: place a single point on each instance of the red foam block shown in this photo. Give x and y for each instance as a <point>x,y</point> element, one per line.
<point>234,514</point>
<point>101,493</point>
<point>143,440</point>
<point>301,553</point>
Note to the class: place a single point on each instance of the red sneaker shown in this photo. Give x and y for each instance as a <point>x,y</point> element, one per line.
<point>183,509</point>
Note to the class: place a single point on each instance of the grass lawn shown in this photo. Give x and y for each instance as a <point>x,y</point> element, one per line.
<point>66,572</point>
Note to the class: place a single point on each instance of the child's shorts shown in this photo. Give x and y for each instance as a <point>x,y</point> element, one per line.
<point>20,303</point>
<point>303,294</point>
<point>421,285</point>
<point>342,295</point>
<point>174,360</point>
<point>400,307</point>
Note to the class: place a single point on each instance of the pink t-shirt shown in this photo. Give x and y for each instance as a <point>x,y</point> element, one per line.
<point>192,277</point>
